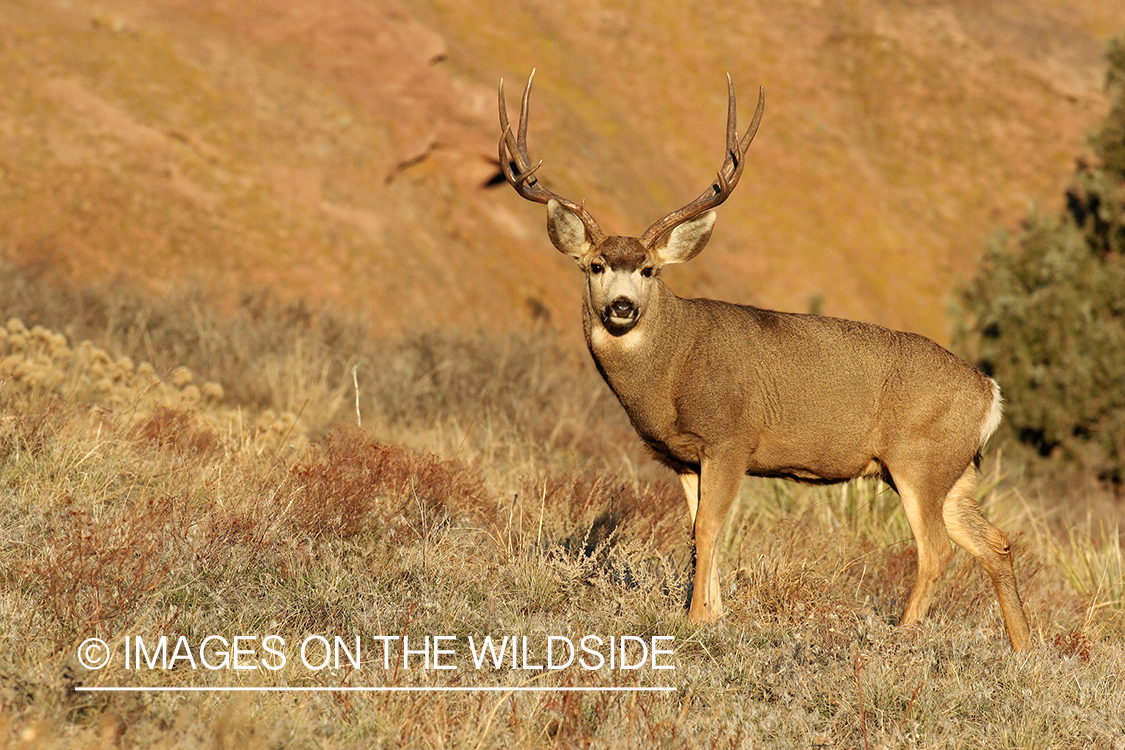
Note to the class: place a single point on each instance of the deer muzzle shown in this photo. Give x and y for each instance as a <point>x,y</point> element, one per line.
<point>621,313</point>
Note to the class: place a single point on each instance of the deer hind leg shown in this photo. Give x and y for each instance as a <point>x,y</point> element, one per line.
<point>718,484</point>
<point>972,531</point>
<point>923,512</point>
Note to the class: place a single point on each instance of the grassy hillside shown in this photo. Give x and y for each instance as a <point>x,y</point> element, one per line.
<point>342,150</point>
<point>492,490</point>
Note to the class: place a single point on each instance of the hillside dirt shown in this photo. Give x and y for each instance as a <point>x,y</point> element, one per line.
<point>344,151</point>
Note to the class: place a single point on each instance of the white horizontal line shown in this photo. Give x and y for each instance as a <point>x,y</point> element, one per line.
<point>322,689</point>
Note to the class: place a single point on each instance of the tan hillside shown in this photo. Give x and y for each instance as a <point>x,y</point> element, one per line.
<point>341,149</point>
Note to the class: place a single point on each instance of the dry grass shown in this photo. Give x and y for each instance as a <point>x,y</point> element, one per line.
<point>490,492</point>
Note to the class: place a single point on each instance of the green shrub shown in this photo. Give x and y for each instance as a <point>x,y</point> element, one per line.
<point>1047,312</point>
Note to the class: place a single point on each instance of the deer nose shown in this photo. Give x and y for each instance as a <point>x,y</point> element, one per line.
<point>623,308</point>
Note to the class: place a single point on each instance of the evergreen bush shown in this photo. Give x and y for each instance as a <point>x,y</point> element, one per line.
<point>1046,314</point>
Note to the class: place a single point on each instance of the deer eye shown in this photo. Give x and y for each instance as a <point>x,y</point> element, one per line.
<point>596,268</point>
<point>648,271</point>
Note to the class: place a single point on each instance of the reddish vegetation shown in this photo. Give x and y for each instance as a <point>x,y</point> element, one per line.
<point>176,430</point>
<point>340,150</point>
<point>353,483</point>
<point>1075,644</point>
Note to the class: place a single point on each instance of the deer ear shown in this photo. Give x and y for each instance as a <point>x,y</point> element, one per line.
<point>566,230</point>
<point>685,241</point>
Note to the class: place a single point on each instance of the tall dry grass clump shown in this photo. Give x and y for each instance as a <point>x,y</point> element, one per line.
<point>491,491</point>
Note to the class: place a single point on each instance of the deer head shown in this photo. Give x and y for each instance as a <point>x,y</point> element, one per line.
<point>621,272</point>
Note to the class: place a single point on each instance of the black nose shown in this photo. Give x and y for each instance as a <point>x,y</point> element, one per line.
<point>623,307</point>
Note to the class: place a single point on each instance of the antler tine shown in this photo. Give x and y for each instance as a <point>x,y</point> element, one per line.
<point>732,120</point>
<point>524,102</point>
<point>516,164</point>
<point>727,177</point>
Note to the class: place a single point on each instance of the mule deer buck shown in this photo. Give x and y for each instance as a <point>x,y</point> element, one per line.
<point>718,390</point>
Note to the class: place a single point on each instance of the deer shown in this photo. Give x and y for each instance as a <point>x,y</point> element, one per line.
<point>718,391</point>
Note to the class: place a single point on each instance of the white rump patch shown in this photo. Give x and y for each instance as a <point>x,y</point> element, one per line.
<point>995,414</point>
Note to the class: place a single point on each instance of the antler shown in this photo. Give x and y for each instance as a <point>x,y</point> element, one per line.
<point>728,175</point>
<point>517,166</point>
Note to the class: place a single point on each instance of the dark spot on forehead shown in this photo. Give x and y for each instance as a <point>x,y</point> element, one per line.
<point>623,253</point>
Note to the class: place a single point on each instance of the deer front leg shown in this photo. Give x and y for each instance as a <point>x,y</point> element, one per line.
<point>718,484</point>
<point>690,483</point>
